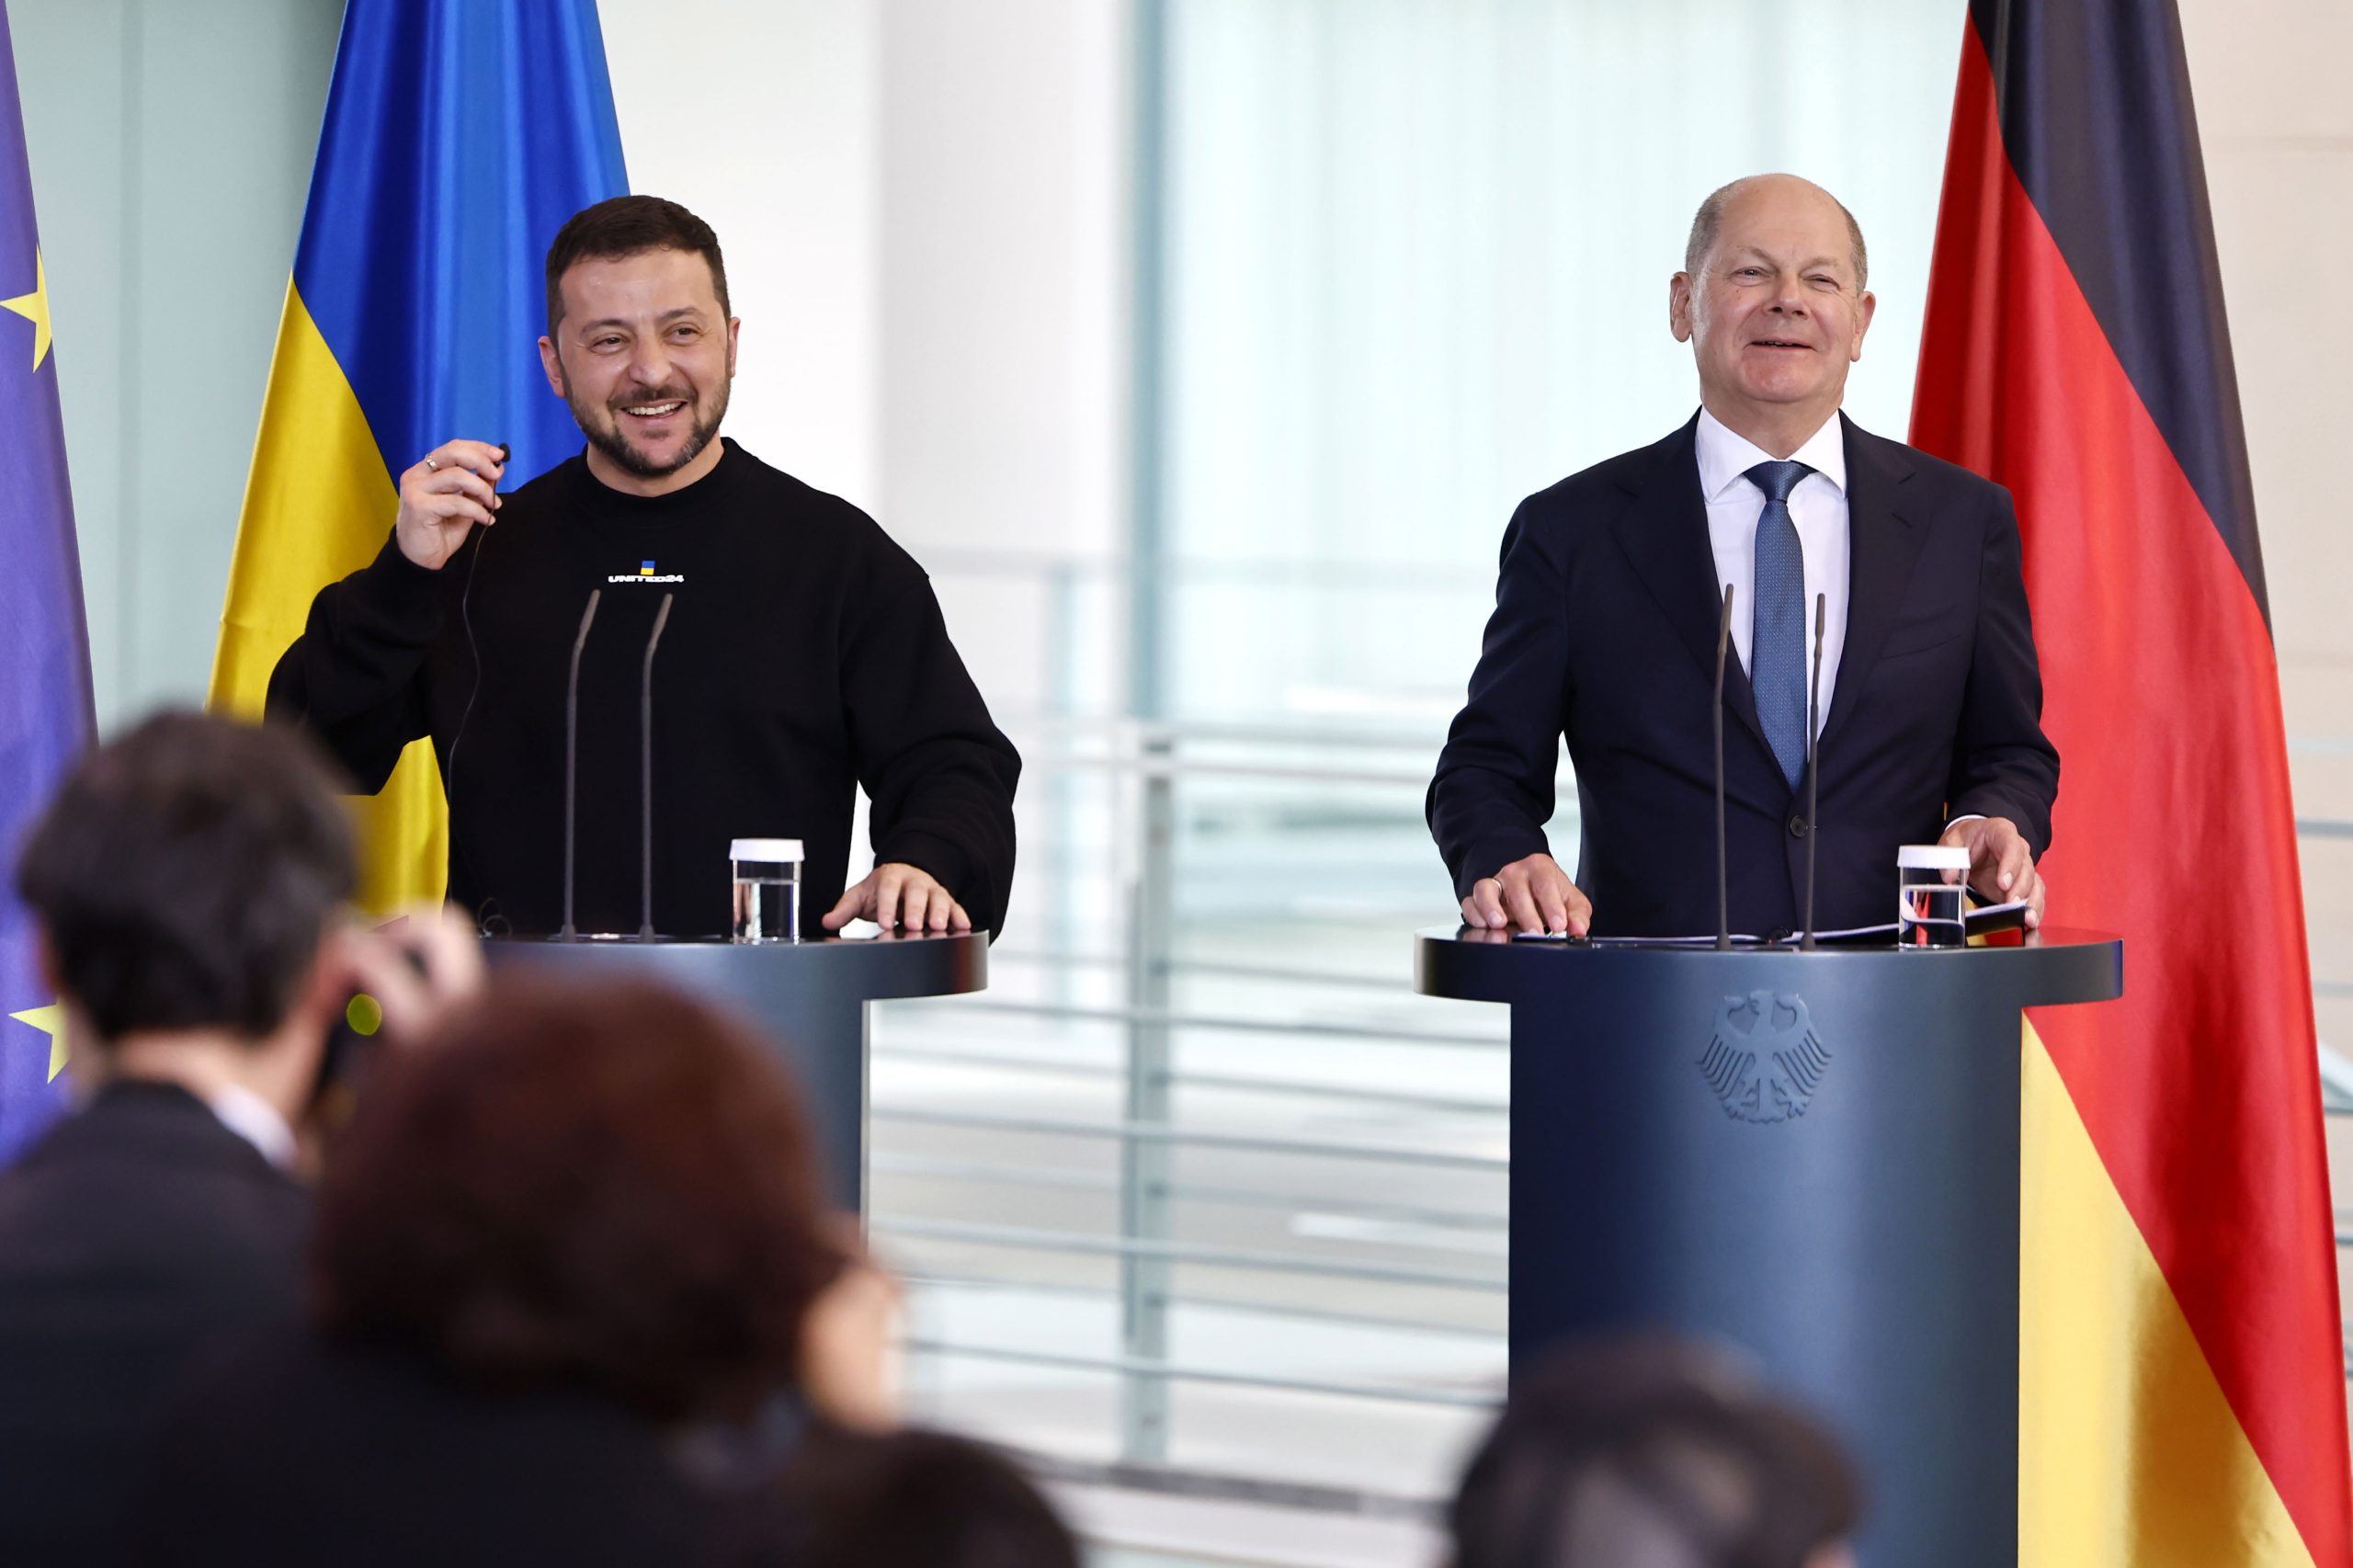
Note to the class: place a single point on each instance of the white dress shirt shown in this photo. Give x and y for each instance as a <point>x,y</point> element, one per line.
<point>256,1120</point>
<point>1818,506</point>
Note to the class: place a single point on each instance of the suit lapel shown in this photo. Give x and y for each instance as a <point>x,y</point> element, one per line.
<point>1883,548</point>
<point>1665,537</point>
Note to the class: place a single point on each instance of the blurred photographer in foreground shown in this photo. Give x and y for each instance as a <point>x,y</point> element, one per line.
<point>190,881</point>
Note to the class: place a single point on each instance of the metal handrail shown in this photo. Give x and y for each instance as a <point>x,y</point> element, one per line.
<point>1169,767</point>
<point>1223,732</point>
<point>1307,1028</point>
<point>1040,565</point>
<point>1292,1309</point>
<point>1239,1082</point>
<point>1172,1371</point>
<point>1279,973</point>
<point>1027,1238</point>
<point>1073,1180</point>
<point>1167,1132</point>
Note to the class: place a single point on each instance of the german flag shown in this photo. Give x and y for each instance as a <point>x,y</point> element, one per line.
<point>2182,1391</point>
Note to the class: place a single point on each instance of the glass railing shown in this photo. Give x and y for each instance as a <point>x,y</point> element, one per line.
<point>1200,1193</point>
<point>1199,1184</point>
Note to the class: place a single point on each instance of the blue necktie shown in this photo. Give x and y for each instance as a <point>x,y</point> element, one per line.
<point>1776,635</point>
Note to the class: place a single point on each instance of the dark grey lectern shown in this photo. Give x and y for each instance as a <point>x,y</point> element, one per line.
<point>810,998</point>
<point>1812,1155</point>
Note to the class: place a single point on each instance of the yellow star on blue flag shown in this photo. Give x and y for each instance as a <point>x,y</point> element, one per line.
<point>50,1021</point>
<point>45,718</point>
<point>34,308</point>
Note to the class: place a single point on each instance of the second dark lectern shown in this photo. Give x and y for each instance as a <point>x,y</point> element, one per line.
<point>1814,1156</point>
<point>810,998</point>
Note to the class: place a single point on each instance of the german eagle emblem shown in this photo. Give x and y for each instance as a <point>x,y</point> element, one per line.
<point>1765,1061</point>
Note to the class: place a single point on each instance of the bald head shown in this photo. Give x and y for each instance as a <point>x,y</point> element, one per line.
<point>1709,221</point>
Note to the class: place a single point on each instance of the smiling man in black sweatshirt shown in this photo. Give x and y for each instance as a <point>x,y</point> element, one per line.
<point>805,653</point>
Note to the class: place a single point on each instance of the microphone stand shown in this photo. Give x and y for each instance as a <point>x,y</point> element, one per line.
<point>645,774</point>
<point>1723,871</point>
<point>571,760</point>
<point>1813,768</point>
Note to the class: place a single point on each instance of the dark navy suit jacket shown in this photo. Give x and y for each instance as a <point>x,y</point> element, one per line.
<point>1605,632</point>
<point>137,1238</point>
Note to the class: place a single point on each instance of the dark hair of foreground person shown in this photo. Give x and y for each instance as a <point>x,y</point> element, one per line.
<point>184,874</point>
<point>916,1499</point>
<point>1653,1453</point>
<point>608,1187</point>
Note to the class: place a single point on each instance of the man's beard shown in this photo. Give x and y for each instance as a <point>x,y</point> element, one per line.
<point>607,437</point>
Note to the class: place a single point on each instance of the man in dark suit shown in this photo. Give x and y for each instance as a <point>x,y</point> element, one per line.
<point>188,882</point>
<point>1606,618</point>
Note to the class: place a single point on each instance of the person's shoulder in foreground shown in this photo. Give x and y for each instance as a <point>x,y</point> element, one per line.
<point>297,1450</point>
<point>184,880</point>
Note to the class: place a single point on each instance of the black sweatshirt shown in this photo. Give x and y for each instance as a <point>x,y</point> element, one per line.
<point>804,654</point>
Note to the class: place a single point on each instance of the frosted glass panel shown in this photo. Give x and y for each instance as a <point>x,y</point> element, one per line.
<point>1415,267</point>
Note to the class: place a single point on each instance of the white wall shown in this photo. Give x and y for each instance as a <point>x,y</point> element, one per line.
<point>2277,127</point>
<point>761,117</point>
<point>1003,412</point>
<point>923,210</point>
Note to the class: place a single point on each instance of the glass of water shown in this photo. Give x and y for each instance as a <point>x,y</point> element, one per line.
<point>767,890</point>
<point>1928,912</point>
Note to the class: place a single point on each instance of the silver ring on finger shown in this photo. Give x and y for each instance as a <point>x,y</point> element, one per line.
<point>432,467</point>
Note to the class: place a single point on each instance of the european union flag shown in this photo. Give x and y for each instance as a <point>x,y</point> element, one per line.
<point>45,650</point>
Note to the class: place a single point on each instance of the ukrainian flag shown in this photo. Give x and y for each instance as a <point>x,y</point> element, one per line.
<point>460,135</point>
<point>44,650</point>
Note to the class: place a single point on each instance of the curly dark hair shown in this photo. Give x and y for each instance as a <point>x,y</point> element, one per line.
<point>185,874</point>
<point>606,1186</point>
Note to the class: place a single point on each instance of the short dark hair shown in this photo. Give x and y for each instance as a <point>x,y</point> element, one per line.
<point>630,225</point>
<point>601,1185</point>
<point>185,874</point>
<point>1706,222</point>
<point>917,1499</point>
<point>1650,1450</point>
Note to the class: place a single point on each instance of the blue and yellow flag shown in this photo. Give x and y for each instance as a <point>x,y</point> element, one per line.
<point>460,135</point>
<point>44,643</point>
<point>44,649</point>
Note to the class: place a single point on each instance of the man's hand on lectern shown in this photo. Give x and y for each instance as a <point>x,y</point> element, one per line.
<point>897,896</point>
<point>443,495</point>
<point>2001,866</point>
<point>1532,894</point>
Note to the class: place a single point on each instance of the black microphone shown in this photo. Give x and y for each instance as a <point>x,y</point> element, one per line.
<point>645,774</point>
<point>571,760</point>
<point>1814,768</point>
<point>1724,870</point>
